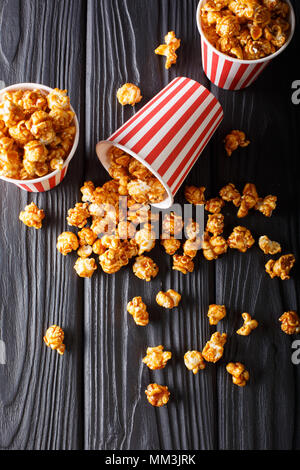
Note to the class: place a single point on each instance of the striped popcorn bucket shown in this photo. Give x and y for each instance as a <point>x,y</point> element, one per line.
<point>47,182</point>
<point>230,73</point>
<point>169,133</point>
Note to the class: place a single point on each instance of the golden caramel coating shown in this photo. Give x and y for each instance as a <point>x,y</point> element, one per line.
<point>172,224</point>
<point>168,299</point>
<point>61,119</point>
<point>191,247</point>
<point>138,310</point>
<point>249,200</point>
<point>213,246</point>
<point>3,129</point>
<point>11,113</point>
<point>85,267</point>
<point>35,152</point>
<point>230,46</point>
<point>113,259</point>
<point>78,215</point>
<point>32,216</point>
<point>231,194</point>
<point>183,264</point>
<point>157,358</point>
<point>145,268</point>
<point>41,127</point>
<point>240,239</point>
<point>157,395</point>
<point>169,49</point>
<point>266,205</point>
<point>215,224</point>
<point>214,348</point>
<point>194,361</point>
<point>127,230</point>
<point>98,248</point>
<point>240,375</point>
<point>58,99</point>
<point>214,205</point>
<point>248,326</point>
<point>54,339</point>
<point>129,94</point>
<point>67,242</point>
<point>227,26</point>
<point>290,322</point>
<point>258,49</point>
<point>235,139</point>
<point>87,191</point>
<point>268,246</point>
<point>86,236</point>
<point>171,245</point>
<point>34,100</point>
<point>145,238</point>
<point>216,313</point>
<point>67,137</point>
<point>20,134</point>
<point>281,267</point>
<point>192,230</point>
<point>10,164</point>
<point>195,195</point>
<point>85,251</point>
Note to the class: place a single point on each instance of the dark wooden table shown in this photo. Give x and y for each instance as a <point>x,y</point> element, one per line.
<point>93,397</point>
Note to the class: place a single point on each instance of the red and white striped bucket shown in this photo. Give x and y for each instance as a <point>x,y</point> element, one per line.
<point>230,73</point>
<point>169,133</point>
<point>47,182</point>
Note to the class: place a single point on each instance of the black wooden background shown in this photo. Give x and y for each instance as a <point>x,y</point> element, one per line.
<point>93,397</point>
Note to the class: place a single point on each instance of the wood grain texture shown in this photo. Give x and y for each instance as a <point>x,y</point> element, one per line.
<point>93,398</point>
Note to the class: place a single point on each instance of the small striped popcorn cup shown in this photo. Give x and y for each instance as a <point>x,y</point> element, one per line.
<point>49,181</point>
<point>169,133</point>
<point>231,73</point>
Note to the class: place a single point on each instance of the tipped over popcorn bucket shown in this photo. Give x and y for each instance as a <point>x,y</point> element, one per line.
<point>49,181</point>
<point>231,73</point>
<point>169,133</point>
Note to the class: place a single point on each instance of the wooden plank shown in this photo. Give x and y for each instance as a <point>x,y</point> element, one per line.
<point>121,37</point>
<point>40,392</point>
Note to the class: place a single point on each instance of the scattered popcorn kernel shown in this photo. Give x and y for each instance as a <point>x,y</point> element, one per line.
<point>266,205</point>
<point>213,246</point>
<point>183,264</point>
<point>85,251</point>
<point>138,310</point>
<point>58,99</point>
<point>192,230</point>
<point>172,225</point>
<point>215,224</point>
<point>216,313</point>
<point>113,259</point>
<point>231,194</point>
<point>240,239</point>
<point>191,247</point>
<point>214,348</point>
<point>168,49</point>
<point>194,361</point>
<point>195,195</point>
<point>85,267</point>
<point>234,140</point>
<point>54,339</point>
<point>78,216</point>
<point>157,395</point>
<point>268,246</point>
<point>145,268</point>
<point>86,236</point>
<point>290,322</point>
<point>87,191</point>
<point>281,267</point>
<point>129,94</point>
<point>214,205</point>
<point>157,358</point>
<point>248,326</point>
<point>171,245</point>
<point>98,248</point>
<point>168,299</point>
<point>32,216</point>
<point>67,242</point>
<point>240,375</point>
<point>249,200</point>
<point>145,238</point>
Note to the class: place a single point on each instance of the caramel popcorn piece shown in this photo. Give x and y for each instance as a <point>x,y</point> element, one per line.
<point>54,339</point>
<point>67,242</point>
<point>248,326</point>
<point>240,239</point>
<point>33,100</point>
<point>230,46</point>
<point>85,267</point>
<point>195,195</point>
<point>234,140</point>
<point>192,230</point>
<point>157,358</point>
<point>214,205</point>
<point>172,225</point>
<point>227,26</point>
<point>98,248</point>
<point>78,216</point>
<point>290,322</point>
<point>10,164</point>
<point>268,246</point>
<point>281,267</point>
<point>191,247</point>
<point>113,259</point>
<point>231,194</point>
<point>214,348</point>
<point>194,361</point>
<point>41,126</point>
<point>61,119</point>
<point>85,251</point>
<point>86,236</point>
<point>145,268</point>
<point>168,299</point>
<point>20,134</point>
<point>145,238</point>
<point>171,245</point>
<point>254,50</point>
<point>183,264</point>
<point>213,246</point>
<point>129,94</point>
<point>157,395</point>
<point>216,313</point>
<point>58,99</point>
<point>266,205</point>
<point>249,200</point>
<point>11,113</point>
<point>87,191</point>
<point>168,49</point>
<point>32,216</point>
<point>138,310</point>
<point>240,375</point>
<point>215,224</point>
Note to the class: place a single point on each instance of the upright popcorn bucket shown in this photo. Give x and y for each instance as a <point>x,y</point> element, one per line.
<point>169,133</point>
<point>49,181</point>
<point>230,73</point>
